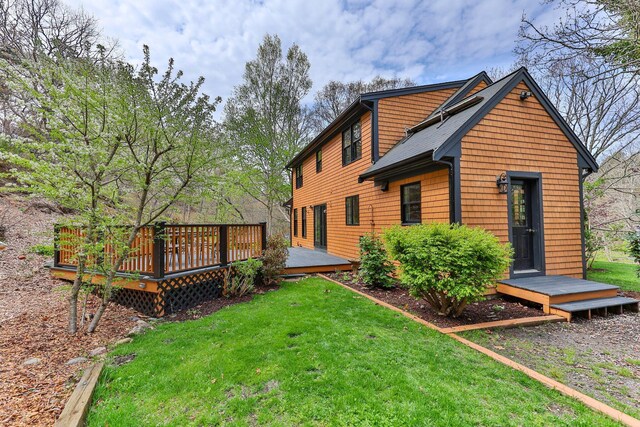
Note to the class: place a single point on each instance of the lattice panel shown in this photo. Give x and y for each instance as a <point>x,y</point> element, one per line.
<point>142,301</point>
<point>187,291</point>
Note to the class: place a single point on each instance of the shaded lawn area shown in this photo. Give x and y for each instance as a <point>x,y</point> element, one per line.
<point>313,353</point>
<point>615,273</point>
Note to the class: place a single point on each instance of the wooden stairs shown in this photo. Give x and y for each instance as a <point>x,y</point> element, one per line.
<point>567,296</point>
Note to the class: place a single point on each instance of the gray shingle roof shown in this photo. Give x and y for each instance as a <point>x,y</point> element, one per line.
<point>431,138</point>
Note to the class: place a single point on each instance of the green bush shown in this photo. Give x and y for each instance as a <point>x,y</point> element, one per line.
<point>375,267</point>
<point>44,250</point>
<point>274,259</point>
<point>634,248</point>
<point>449,266</point>
<point>241,278</point>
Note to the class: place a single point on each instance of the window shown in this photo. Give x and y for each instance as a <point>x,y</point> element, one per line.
<point>352,207</point>
<point>351,144</point>
<point>299,176</point>
<point>410,203</point>
<point>318,161</point>
<point>295,222</point>
<point>304,222</point>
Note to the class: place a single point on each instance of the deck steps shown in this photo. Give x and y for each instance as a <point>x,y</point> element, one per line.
<point>564,296</point>
<point>601,305</point>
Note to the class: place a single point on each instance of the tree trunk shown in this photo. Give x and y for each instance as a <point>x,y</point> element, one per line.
<point>73,295</point>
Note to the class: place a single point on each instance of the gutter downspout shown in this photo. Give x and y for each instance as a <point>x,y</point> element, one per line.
<point>452,204</point>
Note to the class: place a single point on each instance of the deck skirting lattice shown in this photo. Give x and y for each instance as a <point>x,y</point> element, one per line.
<point>184,292</point>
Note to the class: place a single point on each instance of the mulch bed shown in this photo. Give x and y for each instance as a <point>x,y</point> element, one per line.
<point>492,309</point>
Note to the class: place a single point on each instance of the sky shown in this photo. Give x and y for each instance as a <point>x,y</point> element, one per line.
<point>428,41</point>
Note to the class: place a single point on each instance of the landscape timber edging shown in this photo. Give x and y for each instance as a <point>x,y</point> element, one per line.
<point>75,411</point>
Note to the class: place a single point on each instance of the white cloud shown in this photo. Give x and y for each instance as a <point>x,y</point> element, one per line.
<point>427,41</point>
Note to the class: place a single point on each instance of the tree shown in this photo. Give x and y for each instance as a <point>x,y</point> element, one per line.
<point>266,123</point>
<point>608,30</point>
<point>336,96</point>
<point>119,147</point>
<point>594,82</point>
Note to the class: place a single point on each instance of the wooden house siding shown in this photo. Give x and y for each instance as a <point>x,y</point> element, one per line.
<point>397,113</point>
<point>378,209</point>
<point>521,136</point>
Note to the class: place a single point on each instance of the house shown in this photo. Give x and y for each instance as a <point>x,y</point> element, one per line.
<point>492,154</point>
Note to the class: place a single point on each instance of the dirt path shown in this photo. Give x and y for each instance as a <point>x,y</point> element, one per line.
<point>33,315</point>
<point>600,357</point>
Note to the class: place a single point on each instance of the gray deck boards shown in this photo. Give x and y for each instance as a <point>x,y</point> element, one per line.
<point>557,285</point>
<point>303,257</point>
<point>593,304</point>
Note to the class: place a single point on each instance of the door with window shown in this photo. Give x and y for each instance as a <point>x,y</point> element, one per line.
<point>526,226</point>
<point>320,226</point>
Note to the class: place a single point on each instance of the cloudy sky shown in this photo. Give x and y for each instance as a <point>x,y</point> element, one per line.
<point>428,41</point>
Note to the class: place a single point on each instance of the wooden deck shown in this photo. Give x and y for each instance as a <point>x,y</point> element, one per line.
<point>564,296</point>
<point>308,261</point>
<point>171,267</point>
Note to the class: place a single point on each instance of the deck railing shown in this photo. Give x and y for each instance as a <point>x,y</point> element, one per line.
<point>163,249</point>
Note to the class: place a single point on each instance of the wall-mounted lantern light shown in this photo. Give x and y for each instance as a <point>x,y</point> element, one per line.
<point>502,183</point>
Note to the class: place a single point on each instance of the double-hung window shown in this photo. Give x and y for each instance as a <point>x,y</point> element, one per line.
<point>304,222</point>
<point>299,176</point>
<point>318,161</point>
<point>295,222</point>
<point>352,208</point>
<point>351,144</point>
<point>410,195</point>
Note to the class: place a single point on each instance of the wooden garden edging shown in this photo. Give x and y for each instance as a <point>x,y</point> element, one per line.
<point>546,381</point>
<point>75,411</point>
<point>509,323</point>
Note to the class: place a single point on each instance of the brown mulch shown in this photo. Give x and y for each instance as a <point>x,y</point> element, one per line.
<point>492,309</point>
<point>33,321</point>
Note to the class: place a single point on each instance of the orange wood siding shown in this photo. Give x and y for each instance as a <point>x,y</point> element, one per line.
<point>478,87</point>
<point>378,209</point>
<point>520,136</point>
<point>400,112</point>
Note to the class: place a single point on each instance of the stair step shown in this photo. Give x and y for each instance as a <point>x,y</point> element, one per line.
<point>592,304</point>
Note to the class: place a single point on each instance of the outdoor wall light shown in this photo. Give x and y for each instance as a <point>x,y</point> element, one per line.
<point>142,285</point>
<point>502,183</point>
<point>524,95</point>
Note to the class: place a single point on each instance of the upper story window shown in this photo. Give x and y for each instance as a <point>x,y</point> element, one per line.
<point>351,144</point>
<point>318,161</point>
<point>410,195</point>
<point>295,222</point>
<point>299,176</point>
<point>352,207</point>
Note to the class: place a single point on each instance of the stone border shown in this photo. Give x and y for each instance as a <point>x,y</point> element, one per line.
<point>546,381</point>
<point>75,411</point>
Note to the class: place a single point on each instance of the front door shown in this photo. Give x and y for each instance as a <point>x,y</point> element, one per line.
<point>320,226</point>
<point>522,225</point>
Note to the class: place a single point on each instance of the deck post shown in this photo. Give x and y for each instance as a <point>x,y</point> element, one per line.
<point>263,228</point>
<point>56,245</point>
<point>224,246</point>
<point>158,249</point>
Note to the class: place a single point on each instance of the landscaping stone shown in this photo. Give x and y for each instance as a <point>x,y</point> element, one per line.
<point>31,361</point>
<point>98,351</point>
<point>76,360</point>
<point>123,341</point>
<point>141,326</point>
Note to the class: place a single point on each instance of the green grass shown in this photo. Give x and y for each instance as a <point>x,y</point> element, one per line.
<point>313,353</point>
<point>615,273</point>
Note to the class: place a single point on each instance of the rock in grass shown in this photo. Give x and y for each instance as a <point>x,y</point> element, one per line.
<point>123,341</point>
<point>31,361</point>
<point>98,351</point>
<point>76,360</point>
<point>141,326</point>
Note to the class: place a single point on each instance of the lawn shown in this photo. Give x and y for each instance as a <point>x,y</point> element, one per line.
<point>313,353</point>
<point>615,273</point>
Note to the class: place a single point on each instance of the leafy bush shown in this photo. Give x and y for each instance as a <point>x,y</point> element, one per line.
<point>449,266</point>
<point>375,267</point>
<point>593,243</point>
<point>241,278</point>
<point>634,248</point>
<point>44,250</point>
<point>274,259</point>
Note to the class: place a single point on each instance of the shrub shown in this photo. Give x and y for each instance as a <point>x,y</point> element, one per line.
<point>449,266</point>
<point>274,259</point>
<point>634,248</point>
<point>375,267</point>
<point>45,250</point>
<point>241,278</point>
